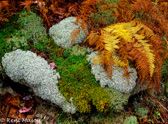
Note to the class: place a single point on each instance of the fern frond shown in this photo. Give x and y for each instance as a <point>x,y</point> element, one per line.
<point>118,62</point>
<point>145,48</point>
<point>110,42</point>
<point>123,41</point>
<point>120,30</point>
<point>74,34</point>
<point>140,62</point>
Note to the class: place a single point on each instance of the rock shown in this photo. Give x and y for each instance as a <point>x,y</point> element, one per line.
<point>22,66</point>
<point>61,32</point>
<point>117,81</point>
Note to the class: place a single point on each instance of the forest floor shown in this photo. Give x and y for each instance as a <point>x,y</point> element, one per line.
<point>146,108</point>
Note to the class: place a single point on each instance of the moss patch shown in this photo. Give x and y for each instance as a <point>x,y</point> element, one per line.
<point>78,82</point>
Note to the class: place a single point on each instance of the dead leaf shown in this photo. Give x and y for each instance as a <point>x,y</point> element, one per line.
<point>15,101</point>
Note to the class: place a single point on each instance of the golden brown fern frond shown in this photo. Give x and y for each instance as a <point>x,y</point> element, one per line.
<point>133,41</point>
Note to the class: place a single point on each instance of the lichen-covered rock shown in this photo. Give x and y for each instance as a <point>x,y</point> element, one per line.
<point>61,32</point>
<point>117,81</point>
<point>27,66</point>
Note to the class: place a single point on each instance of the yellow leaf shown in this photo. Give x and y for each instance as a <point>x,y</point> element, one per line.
<point>118,62</point>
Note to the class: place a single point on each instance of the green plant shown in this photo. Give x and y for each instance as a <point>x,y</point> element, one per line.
<point>32,27</point>
<point>142,112</point>
<point>6,31</point>
<point>130,120</point>
<point>77,50</point>
<point>78,82</point>
<point>117,99</point>
<point>14,43</point>
<point>157,113</point>
<point>104,16</point>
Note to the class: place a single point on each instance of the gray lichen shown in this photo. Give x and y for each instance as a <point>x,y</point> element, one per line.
<point>117,81</point>
<point>61,32</point>
<point>22,66</point>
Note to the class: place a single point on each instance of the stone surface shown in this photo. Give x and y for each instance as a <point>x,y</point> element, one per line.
<point>61,32</point>
<point>118,82</point>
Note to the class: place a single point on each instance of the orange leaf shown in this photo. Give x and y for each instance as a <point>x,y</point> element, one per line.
<point>15,101</point>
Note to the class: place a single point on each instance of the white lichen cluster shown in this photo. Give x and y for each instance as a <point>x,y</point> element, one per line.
<point>117,81</point>
<point>27,66</point>
<point>61,32</point>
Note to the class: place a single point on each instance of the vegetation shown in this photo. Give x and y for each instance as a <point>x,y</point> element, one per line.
<point>125,32</point>
<point>130,120</point>
<point>6,32</point>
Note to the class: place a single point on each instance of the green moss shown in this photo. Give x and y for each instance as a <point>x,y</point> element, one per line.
<point>142,112</point>
<point>104,15</point>
<point>78,82</point>
<point>130,120</point>
<point>14,43</point>
<point>32,27</point>
<point>77,50</point>
<point>6,31</point>
<point>118,99</point>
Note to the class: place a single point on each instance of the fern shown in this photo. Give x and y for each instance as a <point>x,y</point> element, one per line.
<point>127,41</point>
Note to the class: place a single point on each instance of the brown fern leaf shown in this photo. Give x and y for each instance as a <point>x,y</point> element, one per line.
<point>140,62</point>
<point>87,7</point>
<point>123,50</point>
<point>27,4</point>
<point>151,15</point>
<point>163,7</point>
<point>74,34</point>
<point>123,13</point>
<point>155,80</point>
<point>4,5</point>
<point>95,39</point>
